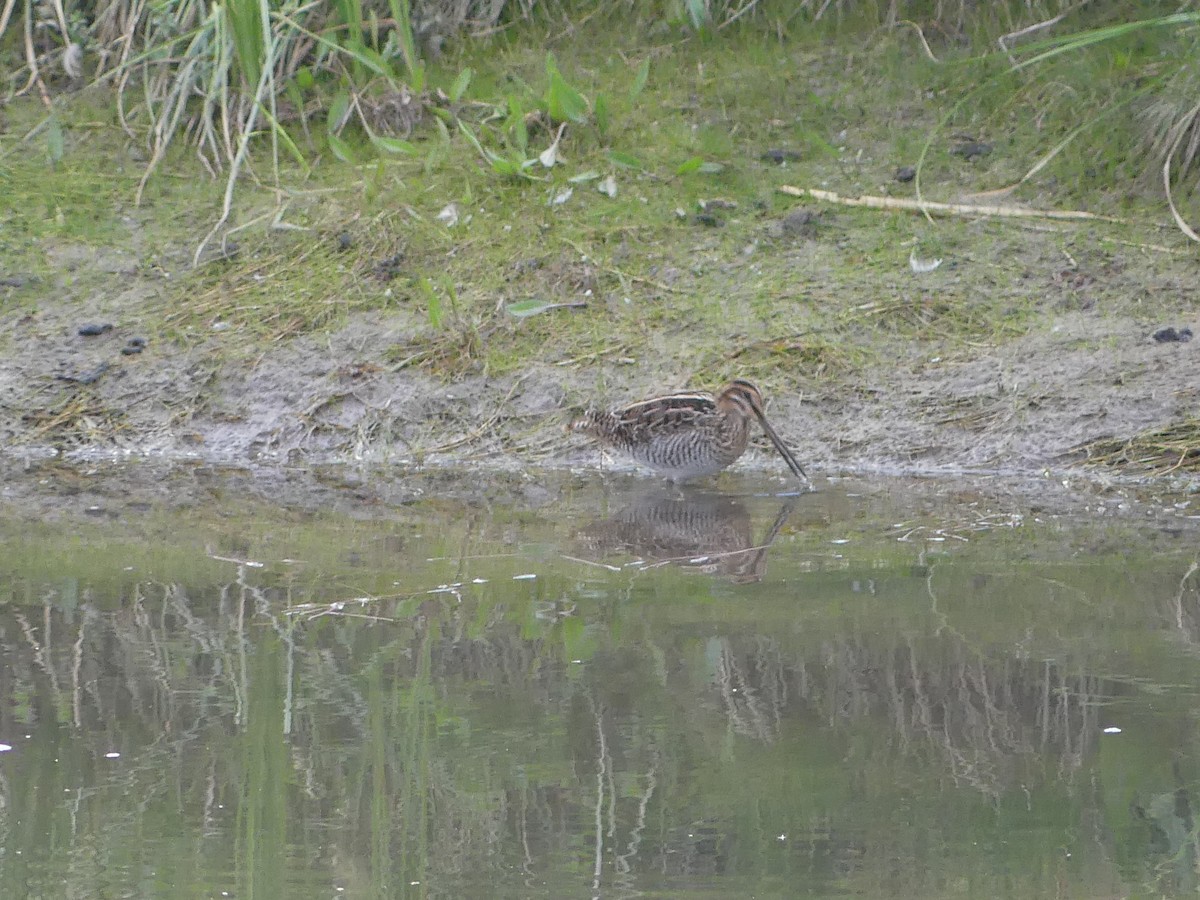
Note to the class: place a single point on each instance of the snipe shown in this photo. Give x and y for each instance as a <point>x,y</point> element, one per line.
<point>687,435</point>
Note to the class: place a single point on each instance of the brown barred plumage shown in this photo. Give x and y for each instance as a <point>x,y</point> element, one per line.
<point>686,435</point>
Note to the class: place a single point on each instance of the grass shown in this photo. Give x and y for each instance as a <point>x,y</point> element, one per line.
<point>1157,451</point>
<point>86,197</point>
<point>75,418</point>
<point>808,109</point>
<point>294,283</point>
<point>704,293</point>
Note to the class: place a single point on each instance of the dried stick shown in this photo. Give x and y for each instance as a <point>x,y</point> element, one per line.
<point>956,209</point>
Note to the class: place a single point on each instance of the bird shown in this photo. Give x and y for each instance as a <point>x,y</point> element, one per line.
<point>686,435</point>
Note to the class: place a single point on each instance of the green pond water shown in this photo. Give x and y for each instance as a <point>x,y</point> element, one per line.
<point>601,688</point>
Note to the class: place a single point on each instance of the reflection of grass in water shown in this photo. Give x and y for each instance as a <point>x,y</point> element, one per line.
<point>862,723</point>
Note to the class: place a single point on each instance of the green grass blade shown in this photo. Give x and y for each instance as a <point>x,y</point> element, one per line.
<point>563,102</point>
<point>288,144</point>
<point>392,145</point>
<point>639,82</point>
<point>1073,42</point>
<point>460,84</point>
<point>341,149</point>
<point>625,160</point>
<point>245,26</point>
<point>55,141</point>
<point>402,16</point>
<point>369,59</point>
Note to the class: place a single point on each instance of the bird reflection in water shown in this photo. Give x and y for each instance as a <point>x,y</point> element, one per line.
<point>697,530</point>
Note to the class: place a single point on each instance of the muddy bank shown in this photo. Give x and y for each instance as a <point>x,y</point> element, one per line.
<point>1025,406</point>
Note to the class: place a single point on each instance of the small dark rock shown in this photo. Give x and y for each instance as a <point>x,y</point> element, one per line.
<point>797,219</point>
<point>17,281</point>
<point>969,150</point>
<point>345,240</point>
<point>525,266</point>
<point>1169,335</point>
<point>131,349</point>
<point>905,174</point>
<point>136,342</point>
<point>94,328</point>
<point>780,156</point>
<point>89,377</point>
<point>389,267</point>
<point>799,223</point>
<point>708,220</point>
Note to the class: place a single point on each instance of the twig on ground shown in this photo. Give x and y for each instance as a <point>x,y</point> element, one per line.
<point>956,209</point>
<point>485,426</point>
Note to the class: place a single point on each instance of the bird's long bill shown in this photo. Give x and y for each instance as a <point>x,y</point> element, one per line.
<point>781,447</point>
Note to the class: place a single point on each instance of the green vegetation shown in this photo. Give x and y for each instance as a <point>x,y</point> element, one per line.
<point>250,68</point>
<point>613,198</point>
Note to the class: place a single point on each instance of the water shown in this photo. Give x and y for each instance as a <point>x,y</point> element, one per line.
<point>600,689</point>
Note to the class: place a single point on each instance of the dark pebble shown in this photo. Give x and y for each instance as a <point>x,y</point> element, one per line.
<point>969,150</point>
<point>389,267</point>
<point>779,156</point>
<point>708,220</point>
<point>89,377</point>
<point>906,174</point>
<point>132,349</point>
<point>799,221</point>
<point>94,328</point>
<point>136,342</point>
<point>1169,335</point>
<point>525,266</point>
<point>345,240</point>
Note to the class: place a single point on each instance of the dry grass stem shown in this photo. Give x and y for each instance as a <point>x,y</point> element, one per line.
<point>921,34</point>
<point>1181,132</point>
<point>1160,451</point>
<point>955,209</point>
<point>1004,40</point>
